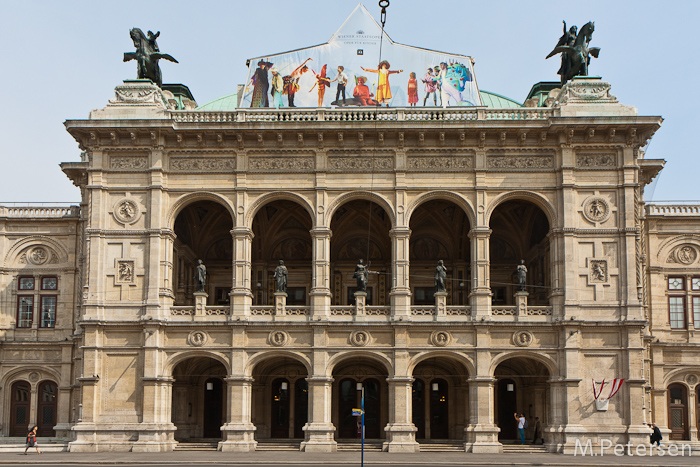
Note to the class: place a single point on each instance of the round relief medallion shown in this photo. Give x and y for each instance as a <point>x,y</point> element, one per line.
<point>278,338</point>
<point>33,377</point>
<point>359,338</point>
<point>596,209</point>
<point>126,211</point>
<point>692,380</point>
<point>440,338</point>
<point>686,254</point>
<point>523,338</point>
<point>38,255</point>
<point>197,338</point>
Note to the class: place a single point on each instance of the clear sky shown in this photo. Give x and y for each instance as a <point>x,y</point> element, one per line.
<point>60,59</point>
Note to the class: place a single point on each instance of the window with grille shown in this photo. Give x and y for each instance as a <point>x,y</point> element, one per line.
<point>25,311</point>
<point>683,301</point>
<point>48,311</point>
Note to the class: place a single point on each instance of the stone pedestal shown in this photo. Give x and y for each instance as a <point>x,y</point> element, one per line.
<point>360,302</point>
<point>280,303</point>
<point>200,303</point>
<point>521,303</point>
<point>440,304</point>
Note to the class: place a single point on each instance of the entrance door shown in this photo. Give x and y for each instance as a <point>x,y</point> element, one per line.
<point>439,410</point>
<point>213,408</point>
<point>19,417</point>
<point>279,425</point>
<point>301,407</point>
<point>373,408</point>
<point>419,408</point>
<point>47,408</point>
<point>347,400</point>
<point>678,412</point>
<point>507,405</point>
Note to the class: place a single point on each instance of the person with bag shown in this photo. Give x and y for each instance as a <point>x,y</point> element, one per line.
<point>31,440</point>
<point>522,424</point>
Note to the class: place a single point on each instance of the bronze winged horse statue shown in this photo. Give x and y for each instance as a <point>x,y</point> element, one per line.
<point>147,55</point>
<point>575,58</point>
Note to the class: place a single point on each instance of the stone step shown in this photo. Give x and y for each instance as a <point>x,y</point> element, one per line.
<point>278,445</point>
<point>524,448</point>
<point>355,446</point>
<point>442,446</point>
<point>198,446</point>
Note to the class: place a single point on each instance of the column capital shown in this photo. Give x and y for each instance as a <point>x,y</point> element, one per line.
<point>321,231</point>
<point>320,379</point>
<point>479,231</point>
<point>239,379</point>
<point>400,379</point>
<point>242,232</point>
<point>400,231</point>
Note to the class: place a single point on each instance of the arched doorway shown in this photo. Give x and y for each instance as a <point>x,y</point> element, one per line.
<point>19,408</point>
<point>280,401</point>
<point>361,231</point>
<point>281,232</point>
<point>203,231</point>
<point>198,403</point>
<point>678,411</point>
<point>519,232</point>
<point>351,377</point>
<point>440,231</point>
<point>440,399</point>
<point>46,410</point>
<point>522,386</point>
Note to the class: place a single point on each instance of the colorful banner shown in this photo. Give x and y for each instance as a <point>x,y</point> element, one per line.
<point>348,71</point>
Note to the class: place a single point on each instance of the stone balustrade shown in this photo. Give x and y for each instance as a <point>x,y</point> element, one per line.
<point>673,209</point>
<point>38,210</point>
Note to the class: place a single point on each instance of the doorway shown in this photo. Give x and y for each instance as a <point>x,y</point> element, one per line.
<point>439,410</point>
<point>46,412</point>
<point>507,406</point>
<point>19,415</point>
<point>678,412</point>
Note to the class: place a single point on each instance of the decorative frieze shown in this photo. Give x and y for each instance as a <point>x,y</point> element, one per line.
<point>128,162</point>
<point>281,164</point>
<point>439,163</point>
<point>520,162</point>
<point>595,161</point>
<point>360,164</point>
<point>199,164</point>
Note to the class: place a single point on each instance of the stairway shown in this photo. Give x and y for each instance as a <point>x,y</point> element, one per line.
<point>278,445</point>
<point>355,446</point>
<point>198,445</point>
<point>442,446</point>
<point>524,448</point>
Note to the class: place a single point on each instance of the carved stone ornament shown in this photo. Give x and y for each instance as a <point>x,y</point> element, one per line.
<point>197,164</point>
<point>692,380</point>
<point>281,164</point>
<point>197,338</point>
<point>596,209</point>
<point>684,254</point>
<point>440,338</point>
<point>590,161</point>
<point>139,93</point>
<point>33,377</point>
<point>125,272</point>
<point>38,255</point>
<point>598,272</point>
<point>585,91</point>
<point>278,338</point>
<point>360,164</point>
<point>128,162</point>
<point>438,163</point>
<point>359,338</point>
<point>520,162</point>
<point>126,211</point>
<point>523,338</point>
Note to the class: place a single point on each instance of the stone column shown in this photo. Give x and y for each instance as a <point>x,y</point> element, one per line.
<point>238,432</point>
<point>319,430</point>
<point>320,295</point>
<point>480,296</point>
<point>692,414</point>
<point>482,433</point>
<point>400,431</point>
<point>401,287</point>
<point>241,295</point>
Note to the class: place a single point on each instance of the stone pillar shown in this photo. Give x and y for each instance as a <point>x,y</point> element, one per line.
<point>360,302</point>
<point>521,303</point>
<point>482,433</point>
<point>238,432</point>
<point>280,303</point>
<point>692,414</point>
<point>200,303</point>
<point>480,296</point>
<point>241,295</point>
<point>401,287</point>
<point>400,431</point>
<point>320,295</point>
<point>319,430</point>
<point>440,304</point>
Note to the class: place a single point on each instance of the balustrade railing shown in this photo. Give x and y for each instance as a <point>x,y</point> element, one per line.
<point>458,310</point>
<point>373,310</point>
<point>182,310</point>
<point>262,310</point>
<point>538,311</point>
<point>673,209</point>
<point>420,310</point>
<point>217,310</point>
<point>38,210</point>
<point>503,310</point>
<point>297,310</point>
<point>342,310</point>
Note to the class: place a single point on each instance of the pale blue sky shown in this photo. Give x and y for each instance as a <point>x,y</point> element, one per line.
<point>63,58</point>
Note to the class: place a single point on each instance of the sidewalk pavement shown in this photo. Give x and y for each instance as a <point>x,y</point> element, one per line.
<point>341,458</point>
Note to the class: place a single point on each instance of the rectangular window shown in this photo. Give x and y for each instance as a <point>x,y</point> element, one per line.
<point>296,296</point>
<point>49,283</point>
<point>696,312</point>
<point>26,283</point>
<point>695,283</point>
<point>676,283</point>
<point>676,311</point>
<point>424,296</point>
<point>48,311</point>
<point>25,311</point>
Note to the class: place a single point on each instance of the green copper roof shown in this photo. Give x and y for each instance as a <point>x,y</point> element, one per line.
<point>490,100</point>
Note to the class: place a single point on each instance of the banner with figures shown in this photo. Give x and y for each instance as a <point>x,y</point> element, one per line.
<point>348,71</point>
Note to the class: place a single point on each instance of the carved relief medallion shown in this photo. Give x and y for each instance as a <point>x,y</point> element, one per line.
<point>125,272</point>
<point>278,338</point>
<point>38,255</point>
<point>126,211</point>
<point>598,271</point>
<point>359,338</point>
<point>523,338</point>
<point>197,338</point>
<point>33,377</point>
<point>685,254</point>
<point>692,380</point>
<point>596,209</point>
<point>440,338</point>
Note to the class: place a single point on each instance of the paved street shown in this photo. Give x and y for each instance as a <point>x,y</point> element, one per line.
<point>259,459</point>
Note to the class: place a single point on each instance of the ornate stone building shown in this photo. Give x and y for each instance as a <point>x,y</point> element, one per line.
<point>108,345</point>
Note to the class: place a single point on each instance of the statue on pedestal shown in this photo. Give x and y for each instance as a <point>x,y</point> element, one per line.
<point>361,274</point>
<point>575,54</point>
<point>200,276</point>
<point>281,277</point>
<point>440,277</point>
<point>147,55</point>
<point>522,275</point>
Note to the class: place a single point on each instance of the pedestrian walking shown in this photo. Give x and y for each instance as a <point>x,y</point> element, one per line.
<point>655,436</point>
<point>538,432</point>
<point>31,440</point>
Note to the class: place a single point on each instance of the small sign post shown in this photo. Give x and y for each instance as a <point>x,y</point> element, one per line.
<point>361,413</point>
